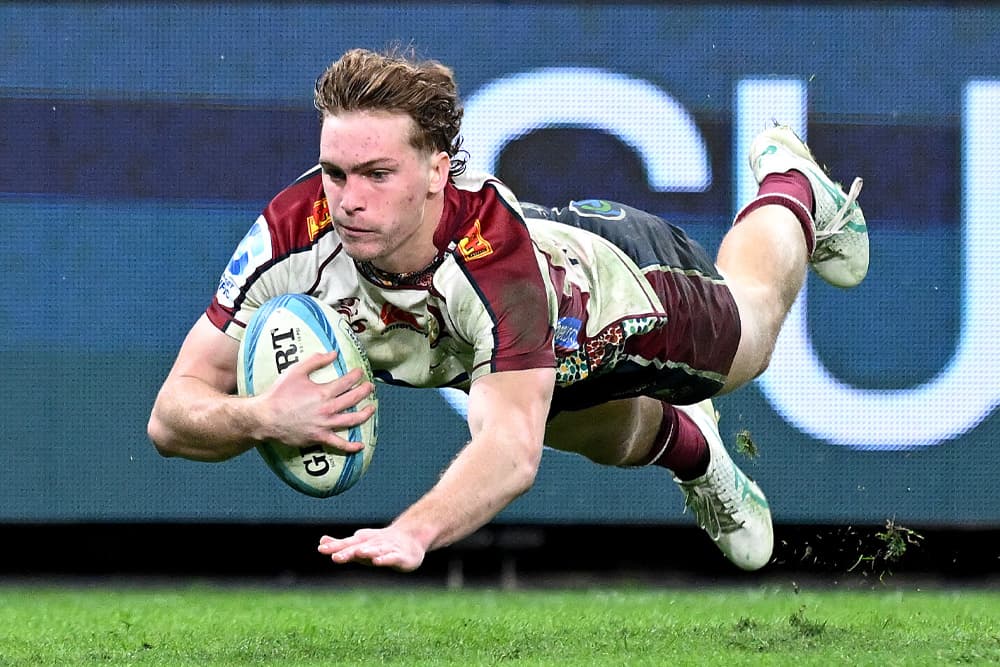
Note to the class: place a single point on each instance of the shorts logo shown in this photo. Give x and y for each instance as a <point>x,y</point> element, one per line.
<point>473,245</point>
<point>320,218</point>
<point>567,330</point>
<point>597,208</point>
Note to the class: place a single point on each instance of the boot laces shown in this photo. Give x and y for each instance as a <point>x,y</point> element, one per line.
<point>714,507</point>
<point>841,217</point>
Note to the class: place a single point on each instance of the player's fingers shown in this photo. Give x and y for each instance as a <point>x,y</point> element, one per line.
<point>330,545</point>
<point>389,559</point>
<point>335,429</point>
<point>398,560</point>
<point>334,441</point>
<point>346,556</point>
<point>314,362</point>
<point>350,380</point>
<point>342,393</point>
<point>358,537</point>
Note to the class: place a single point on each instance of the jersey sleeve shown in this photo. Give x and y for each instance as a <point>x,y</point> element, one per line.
<point>282,252</point>
<point>230,307</point>
<point>509,308</point>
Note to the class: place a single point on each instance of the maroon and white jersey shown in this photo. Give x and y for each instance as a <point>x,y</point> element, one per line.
<point>619,302</point>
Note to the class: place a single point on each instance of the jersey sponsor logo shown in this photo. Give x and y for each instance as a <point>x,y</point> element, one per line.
<point>567,330</point>
<point>394,317</point>
<point>473,246</point>
<point>597,208</point>
<point>320,219</point>
<point>252,253</point>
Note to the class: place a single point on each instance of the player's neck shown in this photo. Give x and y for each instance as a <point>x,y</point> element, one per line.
<point>419,252</point>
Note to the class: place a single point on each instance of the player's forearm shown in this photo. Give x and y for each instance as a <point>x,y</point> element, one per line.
<point>482,480</point>
<point>193,420</point>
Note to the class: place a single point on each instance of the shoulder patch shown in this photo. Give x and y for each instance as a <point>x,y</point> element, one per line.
<point>320,218</point>
<point>252,253</point>
<point>474,245</point>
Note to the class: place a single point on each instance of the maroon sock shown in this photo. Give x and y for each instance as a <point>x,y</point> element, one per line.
<point>679,445</point>
<point>791,190</point>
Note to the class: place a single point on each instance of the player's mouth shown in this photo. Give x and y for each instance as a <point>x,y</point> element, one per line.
<point>352,231</point>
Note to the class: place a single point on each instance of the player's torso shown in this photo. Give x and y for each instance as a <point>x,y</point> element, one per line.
<point>408,332</point>
<point>507,294</point>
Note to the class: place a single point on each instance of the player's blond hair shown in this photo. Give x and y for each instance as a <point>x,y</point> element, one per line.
<point>396,81</point>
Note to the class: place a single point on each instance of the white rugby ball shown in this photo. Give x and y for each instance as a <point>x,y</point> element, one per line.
<point>285,330</point>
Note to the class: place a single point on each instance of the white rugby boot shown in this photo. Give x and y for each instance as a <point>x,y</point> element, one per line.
<point>841,253</point>
<point>726,503</point>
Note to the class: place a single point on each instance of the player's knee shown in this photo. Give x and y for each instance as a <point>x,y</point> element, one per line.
<point>752,359</point>
<point>603,449</point>
<point>611,434</point>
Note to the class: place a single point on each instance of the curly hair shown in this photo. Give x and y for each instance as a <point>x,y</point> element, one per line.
<point>395,81</point>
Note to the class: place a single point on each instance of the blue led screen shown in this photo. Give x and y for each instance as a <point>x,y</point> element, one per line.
<point>141,140</point>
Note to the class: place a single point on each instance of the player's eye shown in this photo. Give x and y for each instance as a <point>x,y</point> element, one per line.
<point>334,174</point>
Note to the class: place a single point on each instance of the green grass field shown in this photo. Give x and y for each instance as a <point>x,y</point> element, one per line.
<point>209,625</point>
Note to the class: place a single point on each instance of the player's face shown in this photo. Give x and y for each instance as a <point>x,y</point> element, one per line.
<point>382,192</point>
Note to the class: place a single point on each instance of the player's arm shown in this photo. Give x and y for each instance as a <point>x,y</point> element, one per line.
<point>196,415</point>
<point>507,416</point>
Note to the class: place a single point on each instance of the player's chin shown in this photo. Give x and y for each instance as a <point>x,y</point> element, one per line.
<point>362,252</point>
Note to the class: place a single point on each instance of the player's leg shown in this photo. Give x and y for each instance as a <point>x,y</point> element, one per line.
<point>800,217</point>
<point>642,431</point>
<point>702,336</point>
<point>764,261</point>
<point>617,433</point>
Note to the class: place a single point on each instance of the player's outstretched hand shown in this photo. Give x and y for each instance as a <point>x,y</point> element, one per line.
<point>304,413</point>
<point>379,547</point>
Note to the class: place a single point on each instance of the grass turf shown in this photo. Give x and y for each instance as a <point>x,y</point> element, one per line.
<point>204,625</point>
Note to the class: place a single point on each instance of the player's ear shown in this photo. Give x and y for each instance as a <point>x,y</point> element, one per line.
<point>440,167</point>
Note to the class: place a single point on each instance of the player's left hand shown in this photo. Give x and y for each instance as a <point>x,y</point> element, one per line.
<point>379,547</point>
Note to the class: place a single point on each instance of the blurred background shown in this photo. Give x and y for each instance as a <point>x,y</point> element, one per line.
<point>139,141</point>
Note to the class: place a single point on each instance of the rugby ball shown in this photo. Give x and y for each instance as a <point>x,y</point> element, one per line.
<point>283,331</point>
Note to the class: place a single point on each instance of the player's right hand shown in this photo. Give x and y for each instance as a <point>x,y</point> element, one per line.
<point>299,412</point>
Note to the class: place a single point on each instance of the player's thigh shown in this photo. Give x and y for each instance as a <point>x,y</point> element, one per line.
<point>756,342</point>
<point>613,433</point>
